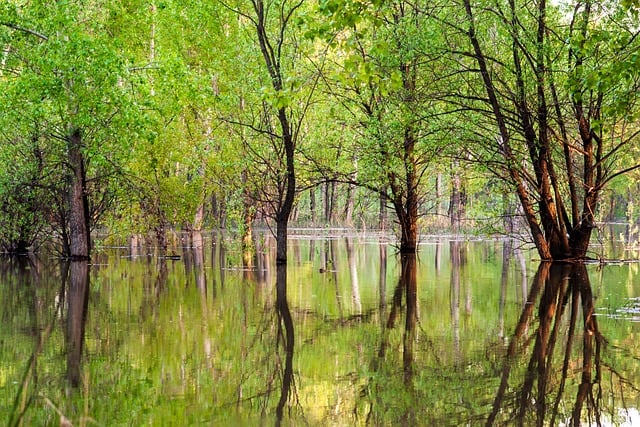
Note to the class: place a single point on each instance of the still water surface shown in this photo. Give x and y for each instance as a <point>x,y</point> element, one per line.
<point>466,333</point>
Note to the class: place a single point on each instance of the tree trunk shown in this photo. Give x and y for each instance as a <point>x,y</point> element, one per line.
<point>438,208</point>
<point>248,216</point>
<point>350,202</point>
<point>456,201</point>
<point>382,213</point>
<point>284,209</point>
<point>79,237</point>
<point>312,206</point>
<point>349,205</point>
<point>329,200</point>
<point>407,207</point>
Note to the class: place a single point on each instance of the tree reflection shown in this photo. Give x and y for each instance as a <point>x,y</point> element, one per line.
<point>408,278</point>
<point>407,287</point>
<point>77,303</point>
<point>285,336</point>
<point>540,393</point>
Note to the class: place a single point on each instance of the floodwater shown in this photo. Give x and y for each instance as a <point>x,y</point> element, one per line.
<point>468,332</point>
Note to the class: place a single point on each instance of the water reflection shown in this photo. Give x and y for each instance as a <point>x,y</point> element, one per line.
<point>349,335</point>
<point>409,281</point>
<point>458,260</point>
<point>286,338</point>
<point>77,303</point>
<point>407,287</point>
<point>562,346</point>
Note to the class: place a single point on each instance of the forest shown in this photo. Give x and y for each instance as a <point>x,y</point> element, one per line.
<point>134,118</point>
<point>297,212</point>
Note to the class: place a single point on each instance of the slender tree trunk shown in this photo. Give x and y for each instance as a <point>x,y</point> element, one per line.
<point>382,213</point>
<point>407,207</point>
<point>350,205</point>
<point>79,237</point>
<point>439,211</point>
<point>248,215</point>
<point>505,140</point>
<point>272,61</point>
<point>329,202</point>
<point>198,218</point>
<point>455,202</point>
<point>351,190</point>
<point>312,206</point>
<point>284,210</point>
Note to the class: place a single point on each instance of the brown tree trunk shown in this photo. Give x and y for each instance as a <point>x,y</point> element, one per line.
<point>456,201</point>
<point>248,216</point>
<point>284,209</point>
<point>407,207</point>
<point>329,199</point>
<point>79,237</point>
<point>350,205</point>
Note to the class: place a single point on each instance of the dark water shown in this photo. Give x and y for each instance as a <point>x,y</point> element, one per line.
<point>469,332</point>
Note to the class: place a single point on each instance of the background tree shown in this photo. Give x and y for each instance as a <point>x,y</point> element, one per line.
<point>385,84</point>
<point>171,80</point>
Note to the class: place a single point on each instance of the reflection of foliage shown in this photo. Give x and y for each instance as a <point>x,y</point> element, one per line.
<point>162,351</point>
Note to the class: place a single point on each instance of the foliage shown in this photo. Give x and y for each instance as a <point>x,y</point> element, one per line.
<point>180,114</point>
<point>60,77</point>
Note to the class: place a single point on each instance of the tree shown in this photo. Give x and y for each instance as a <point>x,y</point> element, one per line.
<point>275,120</point>
<point>172,84</point>
<point>63,80</point>
<point>557,140</point>
<point>384,82</point>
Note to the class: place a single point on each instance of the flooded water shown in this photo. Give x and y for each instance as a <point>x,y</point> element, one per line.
<point>469,332</point>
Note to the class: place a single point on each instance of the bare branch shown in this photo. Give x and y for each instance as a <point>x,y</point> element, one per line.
<point>25,30</point>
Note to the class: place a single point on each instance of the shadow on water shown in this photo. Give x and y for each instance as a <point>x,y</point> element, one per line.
<point>566,349</point>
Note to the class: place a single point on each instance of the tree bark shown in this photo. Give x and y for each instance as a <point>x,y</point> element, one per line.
<point>79,235</point>
<point>456,201</point>
<point>272,61</point>
<point>284,209</point>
